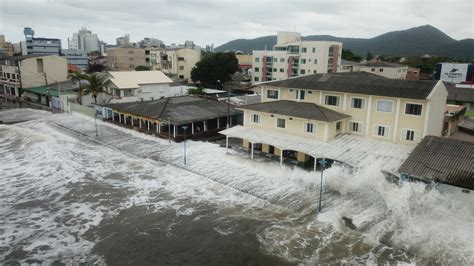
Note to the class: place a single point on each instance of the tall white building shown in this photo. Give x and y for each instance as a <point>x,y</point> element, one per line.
<point>84,40</point>
<point>292,57</point>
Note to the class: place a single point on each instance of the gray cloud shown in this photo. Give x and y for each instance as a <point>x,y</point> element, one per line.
<point>218,21</point>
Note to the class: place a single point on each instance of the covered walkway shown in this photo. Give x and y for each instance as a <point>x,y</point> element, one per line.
<point>349,149</point>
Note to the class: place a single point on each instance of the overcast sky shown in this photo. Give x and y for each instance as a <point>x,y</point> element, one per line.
<point>219,21</point>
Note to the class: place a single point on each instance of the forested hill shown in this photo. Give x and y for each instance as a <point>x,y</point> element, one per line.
<point>415,41</point>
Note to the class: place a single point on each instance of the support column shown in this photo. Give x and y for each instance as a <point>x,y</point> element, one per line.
<point>174,131</point>
<point>113,118</point>
<point>192,128</point>
<point>205,125</point>
<point>148,124</point>
<point>251,150</point>
<point>158,127</point>
<point>132,120</point>
<point>226,144</point>
<point>125,119</point>
<point>281,157</point>
<point>120,118</point>
<point>140,122</point>
<point>315,163</point>
<point>218,122</point>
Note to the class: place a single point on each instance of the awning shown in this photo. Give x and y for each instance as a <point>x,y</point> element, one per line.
<point>350,149</point>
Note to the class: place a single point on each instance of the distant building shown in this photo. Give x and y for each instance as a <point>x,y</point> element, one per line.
<point>177,62</point>
<point>125,59</point>
<point>78,58</point>
<point>123,41</point>
<point>384,69</point>
<point>6,48</point>
<point>455,72</point>
<point>245,62</point>
<point>30,71</point>
<point>151,43</point>
<point>84,40</point>
<point>33,45</point>
<point>132,86</point>
<point>292,57</point>
<point>452,117</point>
<point>413,73</point>
<point>210,48</point>
<point>462,96</point>
<point>348,66</point>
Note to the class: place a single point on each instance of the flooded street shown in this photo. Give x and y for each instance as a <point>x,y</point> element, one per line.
<point>127,198</point>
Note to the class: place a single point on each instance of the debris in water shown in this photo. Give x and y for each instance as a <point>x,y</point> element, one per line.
<point>349,223</point>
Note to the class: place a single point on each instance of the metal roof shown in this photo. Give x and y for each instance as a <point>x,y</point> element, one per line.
<point>359,83</point>
<point>181,109</point>
<point>297,109</point>
<point>444,160</point>
<point>460,94</point>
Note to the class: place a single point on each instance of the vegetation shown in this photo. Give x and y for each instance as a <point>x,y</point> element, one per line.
<point>196,91</point>
<point>142,68</point>
<point>369,56</point>
<point>214,67</point>
<point>347,54</point>
<point>95,53</point>
<point>77,77</point>
<point>94,68</point>
<point>96,85</point>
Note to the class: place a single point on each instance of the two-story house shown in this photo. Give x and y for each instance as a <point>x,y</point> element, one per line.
<point>322,107</point>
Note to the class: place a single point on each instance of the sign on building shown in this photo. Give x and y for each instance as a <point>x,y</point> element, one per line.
<point>55,104</point>
<point>454,73</point>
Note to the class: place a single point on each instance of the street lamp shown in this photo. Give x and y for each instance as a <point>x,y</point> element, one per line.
<point>184,142</point>
<point>323,163</point>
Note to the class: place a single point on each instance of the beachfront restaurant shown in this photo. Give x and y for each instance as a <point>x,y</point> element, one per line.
<point>174,117</point>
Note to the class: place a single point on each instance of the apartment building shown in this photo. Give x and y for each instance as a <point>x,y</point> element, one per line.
<point>6,48</point>
<point>292,57</point>
<point>33,45</point>
<point>384,69</point>
<point>175,62</point>
<point>29,71</point>
<point>78,58</point>
<point>126,58</point>
<point>85,40</point>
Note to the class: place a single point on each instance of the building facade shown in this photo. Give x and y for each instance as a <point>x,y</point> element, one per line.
<point>176,63</point>
<point>126,59</point>
<point>84,40</point>
<point>292,57</point>
<point>33,45</point>
<point>123,41</point>
<point>78,58</point>
<point>384,69</point>
<point>6,48</point>
<point>30,71</point>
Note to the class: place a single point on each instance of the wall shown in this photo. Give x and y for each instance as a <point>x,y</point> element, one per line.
<point>437,105</point>
<point>388,72</point>
<point>54,70</point>
<point>124,59</point>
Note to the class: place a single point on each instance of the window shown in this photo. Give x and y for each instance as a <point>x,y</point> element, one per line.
<point>282,60</point>
<point>331,100</point>
<point>257,69</point>
<point>275,59</point>
<point>315,71</point>
<point>310,128</point>
<point>181,76</point>
<point>303,49</point>
<point>355,127</point>
<point>257,59</point>
<point>372,70</point>
<point>282,70</point>
<point>180,58</point>
<point>272,94</point>
<point>315,61</point>
<point>255,79</point>
<point>181,67</point>
<point>384,106</point>
<point>302,71</point>
<point>39,65</point>
<point>380,69</point>
<point>300,94</point>
<point>357,103</point>
<point>381,131</point>
<point>281,122</point>
<point>413,109</point>
<point>255,118</point>
<point>314,50</point>
<point>303,61</point>
<point>338,126</point>
<point>274,70</point>
<point>409,135</point>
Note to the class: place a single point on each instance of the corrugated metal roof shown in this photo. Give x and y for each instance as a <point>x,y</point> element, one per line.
<point>444,160</point>
<point>360,83</point>
<point>297,109</point>
<point>181,109</point>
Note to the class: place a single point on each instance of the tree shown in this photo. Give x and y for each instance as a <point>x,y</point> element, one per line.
<point>77,77</point>
<point>96,85</point>
<point>347,54</point>
<point>93,68</point>
<point>142,68</point>
<point>369,56</point>
<point>213,67</point>
<point>196,91</point>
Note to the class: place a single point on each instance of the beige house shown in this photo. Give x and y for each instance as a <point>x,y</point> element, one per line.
<point>384,69</point>
<point>175,62</point>
<point>30,71</point>
<point>126,58</point>
<point>326,107</point>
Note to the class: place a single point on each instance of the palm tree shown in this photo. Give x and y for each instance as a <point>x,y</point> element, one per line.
<point>96,85</point>
<point>77,77</point>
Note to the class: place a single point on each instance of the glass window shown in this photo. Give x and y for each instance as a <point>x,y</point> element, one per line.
<point>255,118</point>
<point>413,109</point>
<point>257,69</point>
<point>380,69</point>
<point>314,50</point>
<point>281,122</point>
<point>338,126</point>
<point>384,106</point>
<point>300,94</point>
<point>381,131</point>
<point>357,103</point>
<point>257,59</point>
<point>310,128</point>
<point>282,60</point>
<point>331,100</point>
<point>303,61</point>
<point>255,79</point>
<point>355,127</point>
<point>315,61</point>
<point>373,70</point>
<point>409,135</point>
<point>272,94</point>
<point>303,50</point>
<point>282,70</point>
<point>302,71</point>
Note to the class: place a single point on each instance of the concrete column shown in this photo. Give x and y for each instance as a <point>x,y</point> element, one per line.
<point>397,118</point>
<point>427,117</point>
<point>113,118</point>
<point>226,144</point>
<point>192,128</point>
<point>132,120</point>
<point>218,122</point>
<point>315,163</point>
<point>326,131</point>
<point>205,126</point>
<point>148,124</point>
<point>125,119</point>
<point>120,118</point>
<point>140,123</point>
<point>174,131</point>
<point>158,127</point>
<point>281,157</point>
<point>251,150</point>
<point>367,122</point>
